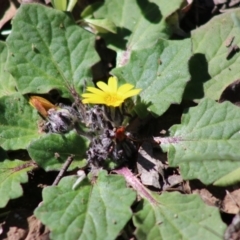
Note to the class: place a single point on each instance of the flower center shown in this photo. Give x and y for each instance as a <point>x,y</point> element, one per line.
<point>112,99</point>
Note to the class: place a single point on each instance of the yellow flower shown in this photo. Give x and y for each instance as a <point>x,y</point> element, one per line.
<point>109,94</point>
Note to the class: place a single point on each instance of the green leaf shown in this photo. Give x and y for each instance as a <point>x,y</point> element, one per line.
<point>89,10</point>
<point>139,23</point>
<point>102,25</point>
<point>59,4</point>
<point>230,178</point>
<point>18,122</point>
<point>206,144</point>
<point>7,82</point>
<point>12,174</point>
<point>178,217</point>
<point>52,150</point>
<point>211,71</point>
<point>91,212</point>
<point>161,71</point>
<point>51,51</point>
<point>209,172</point>
<point>71,5</point>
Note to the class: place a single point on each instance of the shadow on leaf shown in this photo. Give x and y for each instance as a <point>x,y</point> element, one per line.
<point>150,11</point>
<point>119,39</point>
<point>198,67</point>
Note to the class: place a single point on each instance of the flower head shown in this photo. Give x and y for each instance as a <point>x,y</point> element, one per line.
<point>109,94</point>
<point>41,104</point>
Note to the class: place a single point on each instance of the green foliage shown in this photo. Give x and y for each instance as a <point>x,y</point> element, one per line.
<point>7,82</point>
<point>230,178</point>
<point>60,4</point>
<point>206,144</point>
<point>98,211</point>
<point>64,5</point>
<point>51,52</point>
<point>51,150</point>
<point>18,122</point>
<point>139,23</point>
<point>210,68</point>
<point>12,173</point>
<point>101,25</point>
<point>47,51</point>
<point>177,217</point>
<point>160,71</point>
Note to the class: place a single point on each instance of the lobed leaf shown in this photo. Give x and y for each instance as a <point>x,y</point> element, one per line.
<point>47,50</point>
<point>12,174</point>
<point>18,122</point>
<point>161,71</point>
<point>178,217</point>
<point>7,82</point>
<point>139,23</point>
<point>52,150</point>
<point>90,212</point>
<point>206,144</point>
<point>212,71</point>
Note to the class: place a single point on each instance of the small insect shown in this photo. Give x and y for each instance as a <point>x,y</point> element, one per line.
<point>120,133</point>
<point>110,142</point>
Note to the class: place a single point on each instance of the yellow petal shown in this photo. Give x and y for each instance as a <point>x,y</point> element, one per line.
<point>112,83</point>
<point>92,95</point>
<point>94,99</point>
<point>132,93</point>
<point>96,91</point>
<point>109,94</point>
<point>118,103</point>
<point>103,86</point>
<point>85,101</point>
<point>125,88</point>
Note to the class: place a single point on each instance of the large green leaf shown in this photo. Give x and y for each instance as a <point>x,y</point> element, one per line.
<point>48,50</point>
<point>139,23</point>
<point>7,82</point>
<point>206,144</point>
<point>178,216</point>
<point>52,150</point>
<point>90,212</point>
<point>12,174</point>
<point>18,122</point>
<point>211,71</point>
<point>161,71</point>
